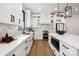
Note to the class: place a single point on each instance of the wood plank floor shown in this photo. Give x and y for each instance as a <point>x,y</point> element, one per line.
<point>41,48</point>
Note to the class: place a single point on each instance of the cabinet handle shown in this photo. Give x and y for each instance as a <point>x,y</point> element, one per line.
<point>65,46</point>
<point>26,41</point>
<point>29,40</point>
<point>63,54</point>
<point>26,48</point>
<point>13,55</point>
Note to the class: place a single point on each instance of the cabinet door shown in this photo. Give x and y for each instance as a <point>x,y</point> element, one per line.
<point>21,20</point>
<point>4,13</point>
<point>49,40</point>
<point>28,18</point>
<point>16,10</point>
<point>34,22</point>
<point>29,47</point>
<point>8,9</point>
<point>20,51</point>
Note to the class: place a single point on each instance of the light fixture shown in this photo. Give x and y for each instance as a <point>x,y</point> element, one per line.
<point>55,9</point>
<point>58,15</point>
<point>76,9</point>
<point>68,11</point>
<point>39,9</point>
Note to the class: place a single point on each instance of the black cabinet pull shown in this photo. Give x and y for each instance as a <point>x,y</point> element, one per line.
<point>26,48</point>
<point>12,18</point>
<point>63,54</point>
<point>26,41</point>
<point>65,46</point>
<point>13,55</point>
<point>29,40</point>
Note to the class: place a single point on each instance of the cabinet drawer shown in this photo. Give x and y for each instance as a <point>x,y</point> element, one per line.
<point>26,41</point>
<point>66,53</point>
<point>12,53</point>
<point>65,49</point>
<point>28,48</point>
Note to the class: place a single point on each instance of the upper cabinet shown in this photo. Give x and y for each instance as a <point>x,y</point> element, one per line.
<point>11,13</point>
<point>28,18</point>
<point>35,19</point>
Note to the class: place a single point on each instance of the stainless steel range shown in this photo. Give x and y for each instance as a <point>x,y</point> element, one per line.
<point>45,35</point>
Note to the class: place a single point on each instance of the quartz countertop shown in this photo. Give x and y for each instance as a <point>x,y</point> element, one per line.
<point>70,39</point>
<point>5,48</point>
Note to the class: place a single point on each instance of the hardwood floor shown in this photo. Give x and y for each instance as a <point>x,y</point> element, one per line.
<point>41,48</point>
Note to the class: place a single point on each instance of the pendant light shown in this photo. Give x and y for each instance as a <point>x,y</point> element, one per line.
<point>58,15</point>
<point>68,11</point>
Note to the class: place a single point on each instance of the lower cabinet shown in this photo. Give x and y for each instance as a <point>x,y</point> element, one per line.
<point>28,48</point>
<point>23,49</point>
<point>67,50</point>
<point>20,51</point>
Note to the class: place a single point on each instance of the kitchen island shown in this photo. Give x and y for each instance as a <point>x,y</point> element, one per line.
<point>68,44</point>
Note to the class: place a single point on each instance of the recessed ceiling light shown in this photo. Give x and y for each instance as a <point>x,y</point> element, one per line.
<point>56,9</point>
<point>20,8</point>
<point>39,9</point>
<point>76,9</point>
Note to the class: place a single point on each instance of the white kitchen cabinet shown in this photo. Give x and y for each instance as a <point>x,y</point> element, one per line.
<point>28,48</point>
<point>68,44</point>
<point>28,45</point>
<point>36,19</point>
<point>22,49</point>
<point>16,10</point>
<point>67,50</point>
<point>21,22</point>
<point>34,23</point>
<point>49,39</point>
<point>8,9</point>
<point>4,13</point>
<point>38,35</point>
<point>27,18</point>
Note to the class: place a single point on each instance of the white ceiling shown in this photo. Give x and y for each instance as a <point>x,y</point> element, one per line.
<point>50,7</point>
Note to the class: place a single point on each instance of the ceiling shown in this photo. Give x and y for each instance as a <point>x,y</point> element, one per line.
<point>51,7</point>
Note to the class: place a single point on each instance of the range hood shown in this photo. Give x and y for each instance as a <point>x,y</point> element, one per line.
<point>45,23</point>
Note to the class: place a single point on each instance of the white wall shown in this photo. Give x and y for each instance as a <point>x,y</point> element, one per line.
<point>73,24</point>
<point>45,27</point>
<point>45,17</point>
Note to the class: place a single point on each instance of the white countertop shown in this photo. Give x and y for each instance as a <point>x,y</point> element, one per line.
<point>7,47</point>
<point>70,39</point>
